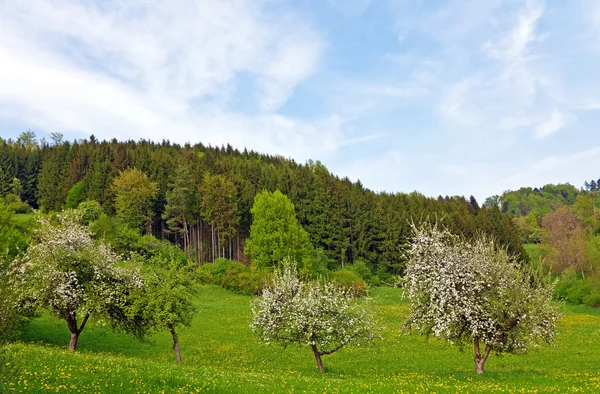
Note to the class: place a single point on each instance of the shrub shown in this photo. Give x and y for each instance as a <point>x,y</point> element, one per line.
<point>232,276</point>
<point>571,287</point>
<point>350,281</point>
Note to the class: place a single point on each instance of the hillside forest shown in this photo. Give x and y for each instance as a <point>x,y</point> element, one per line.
<point>140,194</point>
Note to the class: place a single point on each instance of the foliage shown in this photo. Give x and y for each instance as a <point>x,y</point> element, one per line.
<point>275,233</point>
<point>75,195</point>
<point>318,314</point>
<point>538,201</point>
<point>166,299</point>
<point>90,211</point>
<point>14,237</point>
<point>566,239</point>
<point>572,288</point>
<point>134,195</point>
<point>65,271</point>
<point>350,281</point>
<point>345,220</point>
<point>15,204</point>
<point>233,276</point>
<point>465,292</point>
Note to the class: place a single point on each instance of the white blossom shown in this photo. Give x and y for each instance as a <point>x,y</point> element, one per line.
<point>460,290</point>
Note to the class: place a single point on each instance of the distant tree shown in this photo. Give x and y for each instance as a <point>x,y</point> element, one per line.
<point>28,140</point>
<point>75,195</point>
<point>218,208</point>
<point>528,227</point>
<point>474,204</point>
<point>4,183</point>
<point>585,211</point>
<point>493,201</point>
<point>68,273</point>
<point>181,205</point>
<point>316,314</point>
<point>567,240</point>
<point>134,195</point>
<point>473,292</point>
<point>16,187</point>
<point>275,233</point>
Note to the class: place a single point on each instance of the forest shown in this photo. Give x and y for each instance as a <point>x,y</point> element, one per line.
<point>200,198</point>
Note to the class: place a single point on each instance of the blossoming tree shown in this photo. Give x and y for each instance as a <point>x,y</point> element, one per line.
<point>66,271</point>
<point>316,314</point>
<point>475,292</point>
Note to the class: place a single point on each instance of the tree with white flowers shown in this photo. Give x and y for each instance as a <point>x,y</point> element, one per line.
<point>66,271</point>
<point>475,293</point>
<point>318,314</point>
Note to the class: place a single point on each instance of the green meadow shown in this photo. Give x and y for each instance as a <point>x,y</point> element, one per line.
<point>221,355</point>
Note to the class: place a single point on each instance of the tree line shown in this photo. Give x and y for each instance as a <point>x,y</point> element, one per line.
<point>200,197</point>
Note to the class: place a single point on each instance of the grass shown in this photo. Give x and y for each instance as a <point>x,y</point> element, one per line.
<point>221,355</point>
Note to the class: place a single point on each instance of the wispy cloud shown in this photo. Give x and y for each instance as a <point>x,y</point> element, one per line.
<point>556,122</point>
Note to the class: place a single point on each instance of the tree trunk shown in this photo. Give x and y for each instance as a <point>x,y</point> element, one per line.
<point>175,344</point>
<point>73,341</point>
<point>479,359</point>
<point>318,358</point>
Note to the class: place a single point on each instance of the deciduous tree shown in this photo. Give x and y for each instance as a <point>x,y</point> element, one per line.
<point>473,292</point>
<point>65,271</point>
<point>275,233</point>
<point>317,314</point>
<point>134,195</point>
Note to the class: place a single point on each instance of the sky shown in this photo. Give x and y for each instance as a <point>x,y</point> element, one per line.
<point>453,97</point>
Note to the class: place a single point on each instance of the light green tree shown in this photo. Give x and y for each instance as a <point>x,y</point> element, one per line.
<point>134,196</point>
<point>165,301</point>
<point>275,233</point>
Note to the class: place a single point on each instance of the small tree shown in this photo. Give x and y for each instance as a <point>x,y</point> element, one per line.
<point>165,301</point>
<point>316,314</point>
<point>65,271</point>
<point>473,292</point>
<point>275,233</point>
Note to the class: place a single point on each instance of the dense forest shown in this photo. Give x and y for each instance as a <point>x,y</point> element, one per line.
<point>200,197</point>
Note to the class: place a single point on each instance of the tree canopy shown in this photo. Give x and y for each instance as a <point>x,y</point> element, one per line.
<point>474,292</point>
<point>65,271</point>
<point>275,233</point>
<point>317,314</point>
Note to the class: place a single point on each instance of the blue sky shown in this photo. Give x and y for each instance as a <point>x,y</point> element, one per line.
<point>442,97</point>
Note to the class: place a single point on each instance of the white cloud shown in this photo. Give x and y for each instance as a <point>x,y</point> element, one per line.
<point>455,105</point>
<point>512,47</point>
<point>557,121</point>
<point>161,69</point>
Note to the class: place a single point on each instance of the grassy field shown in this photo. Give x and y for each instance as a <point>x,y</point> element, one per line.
<point>221,355</point>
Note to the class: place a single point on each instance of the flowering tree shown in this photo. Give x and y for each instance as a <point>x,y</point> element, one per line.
<point>316,314</point>
<point>473,292</point>
<point>67,272</point>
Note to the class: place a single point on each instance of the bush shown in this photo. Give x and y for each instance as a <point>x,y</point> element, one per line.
<point>350,281</point>
<point>75,195</point>
<point>16,205</point>
<point>316,264</point>
<point>90,211</point>
<point>571,287</point>
<point>232,276</point>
